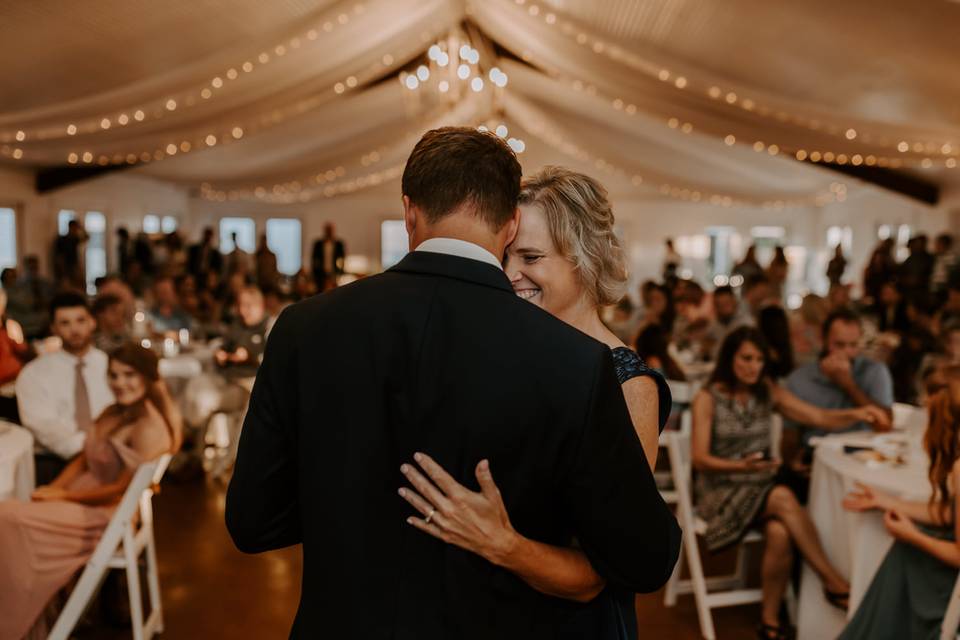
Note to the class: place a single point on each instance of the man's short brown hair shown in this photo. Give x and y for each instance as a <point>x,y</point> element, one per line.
<point>455,166</point>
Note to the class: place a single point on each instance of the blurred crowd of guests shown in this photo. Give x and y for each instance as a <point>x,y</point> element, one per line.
<point>164,292</point>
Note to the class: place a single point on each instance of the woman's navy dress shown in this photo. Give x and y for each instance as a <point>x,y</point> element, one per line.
<point>611,615</point>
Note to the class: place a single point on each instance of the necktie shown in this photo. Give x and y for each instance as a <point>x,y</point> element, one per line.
<point>81,399</point>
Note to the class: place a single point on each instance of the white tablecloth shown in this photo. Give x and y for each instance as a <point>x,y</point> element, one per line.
<point>856,543</point>
<point>16,462</point>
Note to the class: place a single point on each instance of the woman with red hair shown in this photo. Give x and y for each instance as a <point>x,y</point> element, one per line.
<point>909,595</point>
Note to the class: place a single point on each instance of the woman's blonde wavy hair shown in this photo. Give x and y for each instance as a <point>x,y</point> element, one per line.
<point>580,219</point>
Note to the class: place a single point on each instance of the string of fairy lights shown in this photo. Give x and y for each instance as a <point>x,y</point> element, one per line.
<point>676,189</point>
<point>302,43</point>
<point>771,148</point>
<point>228,134</point>
<point>931,152</point>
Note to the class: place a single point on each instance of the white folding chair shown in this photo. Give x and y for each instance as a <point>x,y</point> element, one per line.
<point>713,592</point>
<point>948,629</point>
<point>682,393</point>
<point>120,548</point>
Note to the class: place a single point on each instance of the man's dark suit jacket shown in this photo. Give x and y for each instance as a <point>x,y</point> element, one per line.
<point>439,355</point>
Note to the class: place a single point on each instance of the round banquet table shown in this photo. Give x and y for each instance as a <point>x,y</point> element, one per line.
<point>16,462</point>
<point>856,543</point>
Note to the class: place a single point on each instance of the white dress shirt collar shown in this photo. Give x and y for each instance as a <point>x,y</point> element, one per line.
<point>461,248</point>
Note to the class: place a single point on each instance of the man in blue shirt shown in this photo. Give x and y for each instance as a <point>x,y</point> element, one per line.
<point>841,379</point>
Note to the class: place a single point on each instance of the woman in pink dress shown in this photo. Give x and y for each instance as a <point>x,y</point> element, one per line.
<point>43,543</point>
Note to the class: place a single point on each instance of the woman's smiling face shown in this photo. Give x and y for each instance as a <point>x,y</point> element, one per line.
<point>537,271</point>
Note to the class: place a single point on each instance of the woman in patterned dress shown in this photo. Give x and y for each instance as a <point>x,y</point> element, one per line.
<point>737,485</point>
<point>566,260</point>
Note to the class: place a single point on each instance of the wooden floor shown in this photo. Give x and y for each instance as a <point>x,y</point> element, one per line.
<point>210,590</point>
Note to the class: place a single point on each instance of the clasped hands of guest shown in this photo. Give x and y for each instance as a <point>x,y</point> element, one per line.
<point>475,521</point>
<point>239,356</point>
<point>864,499</point>
<point>877,418</point>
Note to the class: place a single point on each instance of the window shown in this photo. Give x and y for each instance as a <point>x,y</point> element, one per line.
<point>283,238</point>
<point>394,242</point>
<point>246,230</point>
<point>63,220</point>
<point>151,223</point>
<point>95,224</point>
<point>8,238</point>
<point>842,236</point>
<point>169,224</point>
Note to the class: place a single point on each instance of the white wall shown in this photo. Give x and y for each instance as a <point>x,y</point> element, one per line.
<point>123,198</point>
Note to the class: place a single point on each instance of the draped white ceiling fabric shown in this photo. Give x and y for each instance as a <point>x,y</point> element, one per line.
<point>709,101</point>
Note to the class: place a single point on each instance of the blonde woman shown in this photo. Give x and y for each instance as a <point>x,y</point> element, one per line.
<point>567,260</point>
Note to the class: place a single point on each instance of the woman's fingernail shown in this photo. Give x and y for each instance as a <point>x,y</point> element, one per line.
<point>409,520</point>
<point>418,457</point>
<point>402,493</point>
<point>404,468</point>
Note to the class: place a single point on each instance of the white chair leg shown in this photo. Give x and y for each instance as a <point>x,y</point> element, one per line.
<point>78,601</point>
<point>153,578</point>
<point>133,582</point>
<point>699,587</point>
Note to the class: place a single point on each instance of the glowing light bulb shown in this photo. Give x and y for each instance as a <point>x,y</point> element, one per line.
<point>434,52</point>
<point>477,84</point>
<point>412,82</point>
<point>501,131</point>
<point>463,72</point>
<point>423,73</point>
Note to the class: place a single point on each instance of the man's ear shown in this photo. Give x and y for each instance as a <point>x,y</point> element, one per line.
<point>513,226</point>
<point>409,217</point>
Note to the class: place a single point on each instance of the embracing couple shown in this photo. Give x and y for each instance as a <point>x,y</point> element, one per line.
<point>461,446</point>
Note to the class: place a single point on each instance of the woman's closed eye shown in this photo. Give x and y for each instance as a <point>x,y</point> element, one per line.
<point>531,259</point>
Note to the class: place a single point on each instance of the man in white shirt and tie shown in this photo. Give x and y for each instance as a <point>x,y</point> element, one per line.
<point>60,394</point>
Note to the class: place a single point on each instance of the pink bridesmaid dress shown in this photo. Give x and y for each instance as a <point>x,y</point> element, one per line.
<point>42,544</point>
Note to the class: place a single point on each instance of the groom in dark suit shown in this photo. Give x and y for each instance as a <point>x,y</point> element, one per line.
<point>439,355</point>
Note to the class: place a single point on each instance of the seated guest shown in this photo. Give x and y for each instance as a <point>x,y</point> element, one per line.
<point>237,361</point>
<point>757,293</point>
<point>917,343</point>
<point>112,328</point>
<point>728,314</point>
<point>842,378</point>
<point>659,308</point>
<point>651,346</point>
<point>166,314</point>
<point>773,324</point>
<point>274,302</point>
<point>47,540</point>
<point>910,592</point>
<point>806,329</point>
<point>14,350</point>
<point>950,311</point>
<point>838,297</point>
<point>891,309</point>
<point>115,286</point>
<point>29,296</point>
<point>737,485</point>
<point>244,340</point>
<point>60,393</point>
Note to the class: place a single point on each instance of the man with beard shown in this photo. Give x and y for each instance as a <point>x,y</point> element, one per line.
<point>841,379</point>
<point>60,394</point>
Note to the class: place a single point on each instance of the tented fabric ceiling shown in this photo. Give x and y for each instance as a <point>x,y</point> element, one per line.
<point>704,100</point>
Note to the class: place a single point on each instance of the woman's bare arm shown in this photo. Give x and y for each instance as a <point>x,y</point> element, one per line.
<point>643,401</point>
<point>479,523</point>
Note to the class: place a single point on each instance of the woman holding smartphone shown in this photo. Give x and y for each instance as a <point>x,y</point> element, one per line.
<point>737,487</point>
